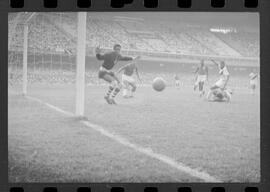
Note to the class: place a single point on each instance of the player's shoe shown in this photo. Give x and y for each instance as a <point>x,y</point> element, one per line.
<point>107,98</point>
<point>113,101</point>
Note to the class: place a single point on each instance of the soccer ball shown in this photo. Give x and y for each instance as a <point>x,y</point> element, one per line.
<point>159,84</point>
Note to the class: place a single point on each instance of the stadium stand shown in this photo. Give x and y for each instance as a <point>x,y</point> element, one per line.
<point>55,34</point>
<point>212,42</point>
<point>136,36</point>
<point>244,42</point>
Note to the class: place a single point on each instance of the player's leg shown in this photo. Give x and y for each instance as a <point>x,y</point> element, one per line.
<point>108,78</point>
<point>219,84</point>
<point>227,95</point>
<point>252,86</point>
<point>214,87</point>
<point>133,88</point>
<point>202,84</point>
<point>132,84</point>
<point>177,83</point>
<point>125,90</point>
<point>200,88</point>
<point>210,95</point>
<point>203,87</point>
<point>199,85</point>
<point>116,90</point>
<point>195,86</point>
<point>125,86</point>
<point>253,89</point>
<point>115,87</point>
<point>196,83</point>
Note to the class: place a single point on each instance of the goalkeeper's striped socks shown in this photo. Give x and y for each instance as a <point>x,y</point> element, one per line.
<point>109,91</point>
<point>115,92</point>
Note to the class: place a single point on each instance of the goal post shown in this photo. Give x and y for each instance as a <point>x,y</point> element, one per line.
<point>80,63</point>
<point>25,51</point>
<point>80,59</point>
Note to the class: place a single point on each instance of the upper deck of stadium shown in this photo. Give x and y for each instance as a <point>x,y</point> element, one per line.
<point>199,35</point>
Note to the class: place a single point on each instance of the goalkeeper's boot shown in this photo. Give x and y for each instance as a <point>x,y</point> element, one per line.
<point>113,101</point>
<point>107,98</point>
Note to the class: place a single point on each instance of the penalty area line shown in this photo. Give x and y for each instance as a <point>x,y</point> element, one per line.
<point>146,151</point>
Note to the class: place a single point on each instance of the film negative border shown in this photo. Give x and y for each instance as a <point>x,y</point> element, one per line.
<point>261,6</point>
<point>131,5</point>
<point>134,188</point>
<point>146,3</point>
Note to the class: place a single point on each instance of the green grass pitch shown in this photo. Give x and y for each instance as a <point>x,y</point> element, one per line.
<point>222,139</point>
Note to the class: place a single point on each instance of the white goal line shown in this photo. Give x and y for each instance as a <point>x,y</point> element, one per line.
<point>146,151</point>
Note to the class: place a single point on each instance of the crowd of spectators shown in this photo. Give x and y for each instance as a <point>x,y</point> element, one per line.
<point>69,77</point>
<point>43,37</point>
<point>246,43</point>
<point>213,43</point>
<point>58,32</point>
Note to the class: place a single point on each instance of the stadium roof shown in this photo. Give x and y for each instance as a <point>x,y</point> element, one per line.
<point>226,19</point>
<point>233,19</point>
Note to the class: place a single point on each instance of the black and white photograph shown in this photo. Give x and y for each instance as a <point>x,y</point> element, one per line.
<point>134,97</point>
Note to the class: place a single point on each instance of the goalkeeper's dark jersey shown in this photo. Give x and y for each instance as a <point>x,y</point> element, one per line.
<point>111,58</point>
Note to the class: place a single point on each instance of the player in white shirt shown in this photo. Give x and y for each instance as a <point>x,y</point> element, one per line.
<point>224,76</point>
<point>253,79</point>
<point>129,83</point>
<point>218,91</point>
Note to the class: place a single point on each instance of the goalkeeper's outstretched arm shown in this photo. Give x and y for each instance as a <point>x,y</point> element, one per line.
<point>99,56</point>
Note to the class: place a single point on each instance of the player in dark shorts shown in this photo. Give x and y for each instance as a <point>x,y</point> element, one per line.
<point>110,59</point>
<point>127,80</point>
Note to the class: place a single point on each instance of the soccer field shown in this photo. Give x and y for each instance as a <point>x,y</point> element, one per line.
<point>219,139</point>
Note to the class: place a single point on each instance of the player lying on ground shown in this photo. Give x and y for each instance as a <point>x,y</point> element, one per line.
<point>253,78</point>
<point>219,95</point>
<point>110,59</point>
<point>129,83</point>
<point>201,76</point>
<point>218,90</point>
